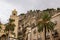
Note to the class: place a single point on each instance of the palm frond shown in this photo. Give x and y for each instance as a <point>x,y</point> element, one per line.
<point>10,27</point>
<point>46,16</point>
<point>50,25</point>
<point>40,27</point>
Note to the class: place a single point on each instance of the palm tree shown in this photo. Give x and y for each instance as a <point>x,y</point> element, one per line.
<point>10,27</point>
<point>45,23</point>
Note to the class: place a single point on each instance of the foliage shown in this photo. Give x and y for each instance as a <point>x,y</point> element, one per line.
<point>0,27</point>
<point>45,16</point>
<point>10,27</point>
<point>50,25</point>
<point>58,8</point>
<point>11,20</point>
<point>45,22</point>
<point>40,27</point>
<point>22,14</point>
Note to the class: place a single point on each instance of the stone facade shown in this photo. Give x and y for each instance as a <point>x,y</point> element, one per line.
<point>26,28</point>
<point>29,20</point>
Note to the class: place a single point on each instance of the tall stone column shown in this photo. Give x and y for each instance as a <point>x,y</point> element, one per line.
<point>16,18</point>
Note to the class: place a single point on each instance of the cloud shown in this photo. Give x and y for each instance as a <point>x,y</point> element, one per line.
<point>5,11</point>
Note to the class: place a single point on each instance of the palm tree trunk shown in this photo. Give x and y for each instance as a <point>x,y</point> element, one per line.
<point>51,37</point>
<point>45,32</point>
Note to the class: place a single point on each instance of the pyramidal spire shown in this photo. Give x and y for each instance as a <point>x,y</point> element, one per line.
<point>14,12</point>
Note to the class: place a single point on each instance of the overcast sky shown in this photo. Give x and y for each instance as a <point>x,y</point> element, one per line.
<point>6,6</point>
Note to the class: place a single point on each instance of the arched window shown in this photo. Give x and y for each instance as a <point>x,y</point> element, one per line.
<point>3,37</point>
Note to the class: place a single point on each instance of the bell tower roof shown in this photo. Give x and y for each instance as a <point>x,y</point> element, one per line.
<point>14,12</point>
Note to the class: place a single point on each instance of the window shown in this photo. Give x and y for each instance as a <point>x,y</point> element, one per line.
<point>14,14</point>
<point>34,31</point>
<point>19,28</point>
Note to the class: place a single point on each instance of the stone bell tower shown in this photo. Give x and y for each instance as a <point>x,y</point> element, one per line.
<point>16,18</point>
